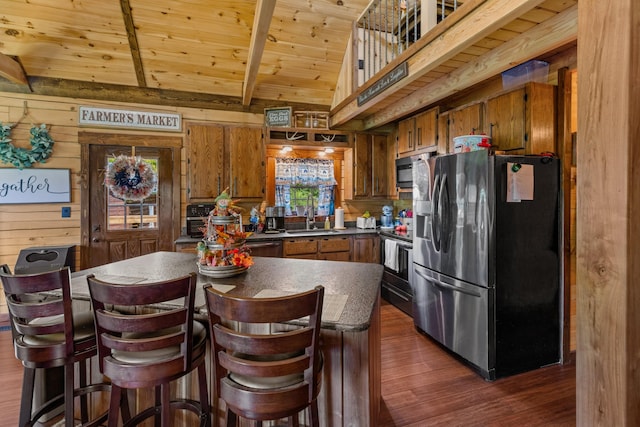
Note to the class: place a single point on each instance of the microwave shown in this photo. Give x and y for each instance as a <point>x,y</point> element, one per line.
<point>404,172</point>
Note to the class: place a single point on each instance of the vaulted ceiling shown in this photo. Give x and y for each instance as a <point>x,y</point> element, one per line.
<point>244,55</point>
<point>237,51</point>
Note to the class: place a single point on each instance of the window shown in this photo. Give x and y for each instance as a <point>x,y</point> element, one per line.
<point>302,182</point>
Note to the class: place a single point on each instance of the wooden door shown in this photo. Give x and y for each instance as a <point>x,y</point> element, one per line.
<point>506,121</point>
<point>406,135</point>
<point>247,170</point>
<point>379,165</point>
<point>119,229</point>
<point>206,161</point>
<point>465,121</point>
<point>362,166</point>
<point>427,131</point>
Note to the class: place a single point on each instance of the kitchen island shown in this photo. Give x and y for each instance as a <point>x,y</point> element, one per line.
<point>350,335</point>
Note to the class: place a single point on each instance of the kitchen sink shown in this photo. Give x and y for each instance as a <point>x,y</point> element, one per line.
<point>312,231</point>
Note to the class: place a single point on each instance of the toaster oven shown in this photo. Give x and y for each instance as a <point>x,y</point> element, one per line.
<point>196,218</point>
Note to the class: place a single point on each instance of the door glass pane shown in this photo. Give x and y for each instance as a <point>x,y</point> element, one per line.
<point>130,214</point>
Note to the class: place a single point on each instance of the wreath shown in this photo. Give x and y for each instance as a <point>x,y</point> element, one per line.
<point>130,178</point>
<point>41,147</point>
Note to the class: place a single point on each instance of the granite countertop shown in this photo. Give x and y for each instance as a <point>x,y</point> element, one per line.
<point>357,283</point>
<point>294,233</point>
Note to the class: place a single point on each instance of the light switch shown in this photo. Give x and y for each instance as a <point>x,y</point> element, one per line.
<point>66,212</point>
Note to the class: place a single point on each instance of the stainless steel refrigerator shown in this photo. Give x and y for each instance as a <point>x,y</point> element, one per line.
<point>487,258</point>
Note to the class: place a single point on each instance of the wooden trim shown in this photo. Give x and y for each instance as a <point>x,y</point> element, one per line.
<point>139,140</point>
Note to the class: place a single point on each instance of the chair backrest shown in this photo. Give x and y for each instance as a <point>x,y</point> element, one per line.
<point>40,306</point>
<point>127,324</point>
<point>240,345</point>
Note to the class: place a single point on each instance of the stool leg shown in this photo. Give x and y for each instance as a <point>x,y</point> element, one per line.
<point>26,402</point>
<point>114,405</point>
<point>68,394</point>
<point>166,405</point>
<point>204,396</point>
<point>313,414</point>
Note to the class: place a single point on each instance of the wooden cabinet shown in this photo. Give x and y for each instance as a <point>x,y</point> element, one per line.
<point>225,156</point>
<point>522,121</point>
<point>206,161</point>
<point>418,134</point>
<point>465,120</point>
<point>247,170</point>
<point>366,248</point>
<point>368,175</point>
<point>327,248</point>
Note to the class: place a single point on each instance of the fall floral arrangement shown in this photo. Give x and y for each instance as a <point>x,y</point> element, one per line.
<point>224,239</point>
<point>130,178</point>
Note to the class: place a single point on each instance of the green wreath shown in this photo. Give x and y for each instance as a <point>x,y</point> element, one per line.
<point>41,147</point>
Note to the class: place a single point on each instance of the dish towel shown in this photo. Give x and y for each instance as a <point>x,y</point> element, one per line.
<point>391,254</point>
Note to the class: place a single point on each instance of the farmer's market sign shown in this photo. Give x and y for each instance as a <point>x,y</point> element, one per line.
<point>93,116</point>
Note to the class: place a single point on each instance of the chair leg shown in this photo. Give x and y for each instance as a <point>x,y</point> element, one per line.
<point>84,408</point>
<point>68,395</point>
<point>26,402</point>
<point>166,405</point>
<point>313,414</point>
<point>114,406</point>
<point>205,408</point>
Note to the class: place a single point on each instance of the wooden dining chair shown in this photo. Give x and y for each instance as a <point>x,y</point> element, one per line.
<point>260,373</point>
<point>47,333</point>
<point>143,344</point>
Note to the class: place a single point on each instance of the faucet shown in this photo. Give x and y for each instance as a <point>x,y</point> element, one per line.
<point>311,218</point>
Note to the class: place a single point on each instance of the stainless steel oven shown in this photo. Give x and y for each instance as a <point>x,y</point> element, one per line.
<point>196,217</point>
<point>397,258</point>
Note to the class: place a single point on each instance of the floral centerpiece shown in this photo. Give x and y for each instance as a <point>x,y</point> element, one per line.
<point>223,245</point>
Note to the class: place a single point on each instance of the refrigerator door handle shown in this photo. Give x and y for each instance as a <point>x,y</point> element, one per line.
<point>443,214</point>
<point>435,202</point>
<point>443,285</point>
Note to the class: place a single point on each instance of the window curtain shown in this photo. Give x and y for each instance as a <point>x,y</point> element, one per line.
<point>305,173</point>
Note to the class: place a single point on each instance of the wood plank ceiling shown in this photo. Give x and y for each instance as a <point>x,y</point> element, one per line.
<point>192,46</point>
<point>247,55</point>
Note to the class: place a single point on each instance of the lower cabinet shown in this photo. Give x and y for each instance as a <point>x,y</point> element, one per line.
<point>327,248</point>
<point>366,248</point>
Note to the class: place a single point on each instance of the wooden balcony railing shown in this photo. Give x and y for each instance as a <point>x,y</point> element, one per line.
<point>388,27</point>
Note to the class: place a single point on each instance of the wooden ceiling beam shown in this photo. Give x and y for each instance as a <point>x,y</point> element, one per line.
<point>127,16</point>
<point>12,70</point>
<point>259,33</point>
<point>130,94</point>
<point>476,25</point>
<point>545,37</point>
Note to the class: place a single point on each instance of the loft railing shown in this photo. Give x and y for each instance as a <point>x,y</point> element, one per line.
<point>388,27</point>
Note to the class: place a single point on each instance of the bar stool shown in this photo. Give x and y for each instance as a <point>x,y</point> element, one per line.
<point>47,333</point>
<point>147,340</point>
<point>262,374</point>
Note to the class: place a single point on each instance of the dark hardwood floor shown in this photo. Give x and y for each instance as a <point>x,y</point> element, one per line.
<point>422,385</point>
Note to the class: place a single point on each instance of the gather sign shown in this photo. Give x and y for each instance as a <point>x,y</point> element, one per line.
<point>34,185</point>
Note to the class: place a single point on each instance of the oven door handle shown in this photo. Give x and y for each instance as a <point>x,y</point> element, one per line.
<point>396,293</point>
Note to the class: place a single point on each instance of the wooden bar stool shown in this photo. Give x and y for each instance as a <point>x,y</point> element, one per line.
<point>143,347</point>
<point>47,334</point>
<point>262,375</point>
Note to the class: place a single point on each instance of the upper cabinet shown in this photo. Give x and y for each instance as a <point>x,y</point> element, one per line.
<point>206,161</point>
<point>522,121</point>
<point>418,134</point>
<point>221,157</point>
<point>465,120</point>
<point>247,171</point>
<point>368,176</point>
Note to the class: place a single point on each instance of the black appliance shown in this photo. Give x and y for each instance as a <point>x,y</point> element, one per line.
<point>487,258</point>
<point>274,216</point>
<point>197,217</point>
<point>404,175</point>
<point>396,285</point>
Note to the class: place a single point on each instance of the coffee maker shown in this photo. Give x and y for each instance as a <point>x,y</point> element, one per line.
<point>274,217</point>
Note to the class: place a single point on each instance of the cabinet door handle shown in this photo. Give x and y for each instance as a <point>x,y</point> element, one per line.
<point>419,133</point>
<point>410,139</point>
<point>219,183</point>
